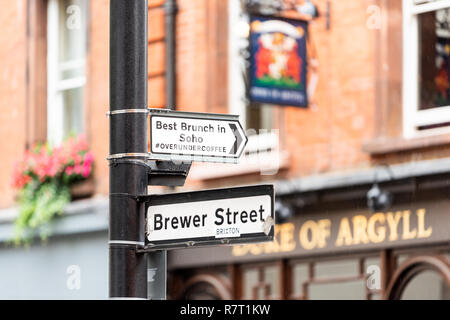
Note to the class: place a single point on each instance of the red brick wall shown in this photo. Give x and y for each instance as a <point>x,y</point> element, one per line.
<point>156,54</point>
<point>328,136</point>
<point>191,39</point>
<point>98,92</point>
<point>12,92</point>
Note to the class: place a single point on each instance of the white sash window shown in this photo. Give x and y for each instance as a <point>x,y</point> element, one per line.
<point>426,67</point>
<point>264,153</point>
<point>66,64</point>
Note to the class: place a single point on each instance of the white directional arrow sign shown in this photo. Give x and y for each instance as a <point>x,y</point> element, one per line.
<point>189,136</point>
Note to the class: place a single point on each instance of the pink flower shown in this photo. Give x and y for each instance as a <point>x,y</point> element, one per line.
<point>52,166</point>
<point>25,180</point>
<point>77,169</point>
<point>86,171</point>
<point>41,173</point>
<point>77,158</point>
<point>69,171</point>
<point>52,171</point>
<point>88,158</point>
<point>43,162</point>
<point>20,179</point>
<point>81,143</point>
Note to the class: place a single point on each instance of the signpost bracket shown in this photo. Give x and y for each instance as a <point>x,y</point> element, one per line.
<point>148,248</point>
<point>167,173</point>
<point>160,173</point>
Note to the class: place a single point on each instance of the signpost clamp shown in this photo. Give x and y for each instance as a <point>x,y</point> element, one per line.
<point>167,173</point>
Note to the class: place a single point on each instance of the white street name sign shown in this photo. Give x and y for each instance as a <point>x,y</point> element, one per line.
<point>191,136</point>
<point>226,216</point>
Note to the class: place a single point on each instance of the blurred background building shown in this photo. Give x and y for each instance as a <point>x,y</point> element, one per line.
<point>361,169</point>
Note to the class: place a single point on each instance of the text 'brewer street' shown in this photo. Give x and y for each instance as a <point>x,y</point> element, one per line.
<point>223,218</point>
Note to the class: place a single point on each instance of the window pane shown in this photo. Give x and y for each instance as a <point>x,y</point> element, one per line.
<point>73,111</point>
<point>250,280</point>
<point>341,268</point>
<point>402,258</point>
<point>66,49</point>
<point>428,285</point>
<point>72,26</point>
<point>434,42</point>
<point>376,296</point>
<point>272,279</point>
<point>268,290</point>
<point>372,271</point>
<point>261,116</point>
<point>354,290</point>
<point>372,261</point>
<point>72,38</point>
<point>300,275</point>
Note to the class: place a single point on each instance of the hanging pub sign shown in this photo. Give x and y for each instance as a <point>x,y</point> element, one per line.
<point>278,61</point>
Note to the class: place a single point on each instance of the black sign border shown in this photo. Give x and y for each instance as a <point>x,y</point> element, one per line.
<point>195,156</point>
<point>207,195</point>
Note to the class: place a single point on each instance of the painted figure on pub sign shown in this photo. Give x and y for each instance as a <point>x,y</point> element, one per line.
<point>278,61</point>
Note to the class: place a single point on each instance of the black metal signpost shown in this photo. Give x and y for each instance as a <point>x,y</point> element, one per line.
<point>214,217</point>
<point>128,147</point>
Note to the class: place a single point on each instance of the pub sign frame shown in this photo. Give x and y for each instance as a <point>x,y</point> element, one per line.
<point>278,61</point>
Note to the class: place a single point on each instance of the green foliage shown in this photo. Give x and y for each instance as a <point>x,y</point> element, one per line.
<point>39,203</point>
<point>43,179</point>
<point>283,82</point>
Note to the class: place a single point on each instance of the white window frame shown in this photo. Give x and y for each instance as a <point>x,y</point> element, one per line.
<point>237,40</point>
<point>263,153</point>
<point>55,86</point>
<point>412,116</point>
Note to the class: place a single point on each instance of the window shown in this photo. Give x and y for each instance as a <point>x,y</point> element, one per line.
<point>335,279</point>
<point>264,152</point>
<point>253,116</point>
<point>261,282</point>
<point>426,283</point>
<point>346,278</point>
<point>426,67</point>
<point>66,63</point>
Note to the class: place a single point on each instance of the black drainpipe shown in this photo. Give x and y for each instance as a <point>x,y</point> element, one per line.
<point>170,8</point>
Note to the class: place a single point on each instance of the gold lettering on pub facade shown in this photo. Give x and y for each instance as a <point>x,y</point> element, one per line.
<point>393,220</point>
<point>319,231</point>
<point>283,242</point>
<point>360,230</point>
<point>422,232</point>
<point>373,229</point>
<point>407,233</point>
<point>376,228</point>
<point>376,232</point>
<point>344,234</point>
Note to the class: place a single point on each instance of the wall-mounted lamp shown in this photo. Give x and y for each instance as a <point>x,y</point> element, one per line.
<point>378,199</point>
<point>283,212</point>
<point>308,8</point>
<point>268,7</point>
